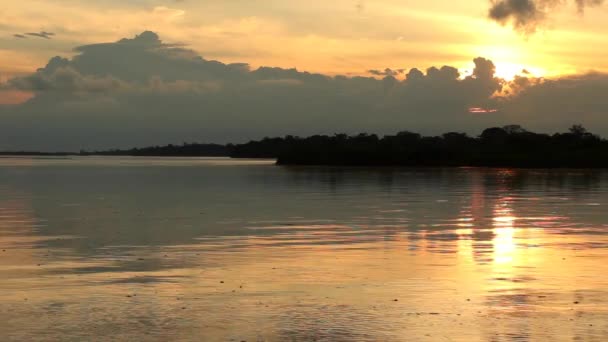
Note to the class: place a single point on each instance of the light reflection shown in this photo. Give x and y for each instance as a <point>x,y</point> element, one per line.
<point>504,228</point>
<point>324,273</point>
<point>17,234</point>
<point>504,245</point>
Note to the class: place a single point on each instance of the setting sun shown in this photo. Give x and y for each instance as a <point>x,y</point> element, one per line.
<point>508,71</point>
<point>510,59</point>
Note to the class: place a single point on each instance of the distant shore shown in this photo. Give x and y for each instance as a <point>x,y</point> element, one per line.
<point>48,154</point>
<point>509,146</point>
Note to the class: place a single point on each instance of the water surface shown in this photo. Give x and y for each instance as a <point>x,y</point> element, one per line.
<point>153,249</point>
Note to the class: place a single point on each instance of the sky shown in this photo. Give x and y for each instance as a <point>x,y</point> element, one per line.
<point>80,74</point>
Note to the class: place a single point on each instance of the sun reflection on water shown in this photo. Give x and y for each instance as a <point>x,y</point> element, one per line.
<point>485,264</point>
<point>504,231</point>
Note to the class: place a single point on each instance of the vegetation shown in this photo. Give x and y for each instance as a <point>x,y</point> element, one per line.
<point>509,146</point>
<point>184,150</point>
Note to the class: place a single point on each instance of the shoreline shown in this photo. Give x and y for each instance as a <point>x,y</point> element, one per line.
<point>360,166</point>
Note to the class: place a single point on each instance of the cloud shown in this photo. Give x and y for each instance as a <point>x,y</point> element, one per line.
<point>527,15</point>
<point>386,72</point>
<point>524,14</point>
<point>145,55</point>
<point>41,34</point>
<point>168,14</point>
<point>549,104</point>
<point>142,91</point>
<point>581,4</point>
<point>65,80</point>
<point>360,6</point>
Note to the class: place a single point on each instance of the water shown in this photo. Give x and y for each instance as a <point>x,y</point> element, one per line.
<point>152,249</point>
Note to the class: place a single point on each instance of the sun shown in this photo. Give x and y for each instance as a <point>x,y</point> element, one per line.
<point>508,71</point>
<point>511,59</point>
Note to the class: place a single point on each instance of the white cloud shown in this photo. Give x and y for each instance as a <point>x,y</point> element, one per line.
<point>168,14</point>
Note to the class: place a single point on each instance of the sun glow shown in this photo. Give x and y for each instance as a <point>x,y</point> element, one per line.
<point>508,71</point>
<point>504,231</point>
<point>14,97</point>
<point>511,59</point>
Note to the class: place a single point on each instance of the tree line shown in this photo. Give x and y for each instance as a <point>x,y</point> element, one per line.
<point>508,146</point>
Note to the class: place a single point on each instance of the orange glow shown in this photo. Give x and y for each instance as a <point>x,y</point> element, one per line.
<point>480,110</point>
<point>14,97</point>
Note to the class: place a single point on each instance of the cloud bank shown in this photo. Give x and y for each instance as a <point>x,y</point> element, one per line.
<point>142,91</point>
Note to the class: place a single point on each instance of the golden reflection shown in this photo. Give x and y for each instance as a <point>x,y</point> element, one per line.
<point>504,245</point>
<point>504,230</point>
<point>464,231</point>
<point>17,233</point>
<point>302,281</point>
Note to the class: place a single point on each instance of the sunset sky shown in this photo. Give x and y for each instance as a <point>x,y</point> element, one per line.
<point>548,38</point>
<point>341,36</point>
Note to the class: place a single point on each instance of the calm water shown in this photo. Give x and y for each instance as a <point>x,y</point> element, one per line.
<point>126,249</point>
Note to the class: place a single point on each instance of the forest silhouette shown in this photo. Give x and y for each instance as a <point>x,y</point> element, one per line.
<point>508,146</point>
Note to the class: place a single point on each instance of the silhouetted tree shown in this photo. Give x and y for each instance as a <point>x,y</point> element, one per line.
<point>578,130</point>
<point>514,129</point>
<point>509,146</point>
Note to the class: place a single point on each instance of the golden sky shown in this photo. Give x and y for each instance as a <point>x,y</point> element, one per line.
<point>333,37</point>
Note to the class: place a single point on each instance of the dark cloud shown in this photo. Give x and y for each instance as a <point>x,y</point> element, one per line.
<point>581,4</point>
<point>360,6</point>
<point>550,104</point>
<point>41,34</point>
<point>527,15</point>
<point>142,91</point>
<point>66,80</point>
<point>145,55</point>
<point>386,72</point>
<point>524,14</point>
